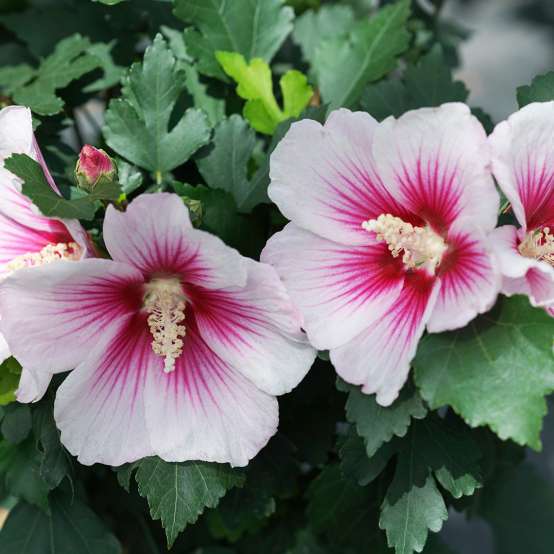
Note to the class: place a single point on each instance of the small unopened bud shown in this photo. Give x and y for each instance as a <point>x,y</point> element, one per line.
<point>92,166</point>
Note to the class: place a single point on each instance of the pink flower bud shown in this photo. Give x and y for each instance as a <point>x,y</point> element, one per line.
<point>93,164</point>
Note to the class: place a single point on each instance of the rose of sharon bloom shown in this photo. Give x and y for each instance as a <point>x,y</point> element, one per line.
<point>27,238</point>
<point>180,344</point>
<point>387,234</point>
<point>523,164</point>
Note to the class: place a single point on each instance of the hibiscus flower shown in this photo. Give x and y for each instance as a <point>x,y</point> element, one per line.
<point>179,344</point>
<point>523,164</point>
<point>27,238</point>
<point>387,234</point>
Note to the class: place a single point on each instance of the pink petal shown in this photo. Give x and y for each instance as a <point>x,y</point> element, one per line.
<point>32,385</point>
<point>256,330</point>
<point>470,280</point>
<point>379,358</point>
<point>155,235</point>
<point>523,163</point>
<point>338,289</point>
<point>53,315</point>
<point>521,275</point>
<point>206,410</point>
<point>323,178</point>
<point>16,132</point>
<point>436,161</point>
<point>100,407</point>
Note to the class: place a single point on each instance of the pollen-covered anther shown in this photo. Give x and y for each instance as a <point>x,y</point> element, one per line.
<point>165,303</point>
<point>420,247</point>
<point>538,244</point>
<point>69,251</point>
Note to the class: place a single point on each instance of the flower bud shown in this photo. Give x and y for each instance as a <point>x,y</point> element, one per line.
<point>93,164</point>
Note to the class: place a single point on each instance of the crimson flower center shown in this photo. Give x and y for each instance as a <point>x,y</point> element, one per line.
<point>165,303</point>
<point>69,251</point>
<point>421,247</point>
<point>538,244</point>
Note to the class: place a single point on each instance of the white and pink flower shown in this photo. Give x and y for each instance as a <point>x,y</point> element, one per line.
<point>523,164</point>
<point>387,234</point>
<point>180,344</point>
<point>27,238</point>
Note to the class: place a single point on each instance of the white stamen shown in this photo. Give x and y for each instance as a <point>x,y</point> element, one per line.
<point>165,302</point>
<point>70,251</point>
<point>421,246</point>
<point>538,244</point>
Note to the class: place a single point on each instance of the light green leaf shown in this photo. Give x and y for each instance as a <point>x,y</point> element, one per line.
<point>494,372</point>
<point>377,424</point>
<point>426,84</point>
<point>178,493</point>
<point>69,61</point>
<point>255,85</point>
<point>112,72</point>
<point>15,76</point>
<point>541,89</point>
<point>10,373</point>
<point>314,27</point>
<point>71,528</point>
<point>344,66</point>
<point>253,28</point>
<point>137,125</point>
<point>50,203</point>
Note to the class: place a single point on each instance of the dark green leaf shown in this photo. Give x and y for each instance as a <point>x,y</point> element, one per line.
<point>17,423</point>
<point>50,203</point>
<point>376,424</point>
<point>70,529</point>
<point>344,66</point>
<point>253,28</point>
<point>178,493</point>
<point>541,89</point>
<point>494,372</point>
<point>137,125</point>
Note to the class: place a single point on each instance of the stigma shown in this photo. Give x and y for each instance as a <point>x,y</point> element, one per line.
<point>538,244</point>
<point>165,303</point>
<point>69,251</point>
<point>420,247</point>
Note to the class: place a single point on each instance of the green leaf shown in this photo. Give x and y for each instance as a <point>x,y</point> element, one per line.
<point>426,84</point>
<point>17,423</point>
<point>225,166</point>
<point>344,66</point>
<point>178,493</point>
<point>418,509</point>
<point>314,27</point>
<point>253,28</point>
<point>494,372</point>
<point>20,473</point>
<point>10,373</point>
<point>71,528</point>
<point>112,72</point>
<point>376,424</point>
<point>69,61</point>
<point>137,125</point>
<point>15,76</point>
<point>49,202</point>
<point>541,89</point>
<point>255,85</point>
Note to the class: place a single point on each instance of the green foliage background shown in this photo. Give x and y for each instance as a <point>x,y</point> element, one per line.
<point>192,96</point>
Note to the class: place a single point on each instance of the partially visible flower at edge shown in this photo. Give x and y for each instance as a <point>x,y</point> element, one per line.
<point>179,344</point>
<point>27,238</point>
<point>387,234</point>
<point>523,164</point>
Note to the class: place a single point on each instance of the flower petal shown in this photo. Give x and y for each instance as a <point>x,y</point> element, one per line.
<point>32,385</point>
<point>53,315</point>
<point>99,408</point>
<point>470,280</point>
<point>379,357</point>
<point>521,275</point>
<point>16,132</point>
<point>523,163</point>
<point>155,235</point>
<point>338,289</point>
<point>436,161</point>
<point>256,330</point>
<point>323,178</point>
<point>206,410</point>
